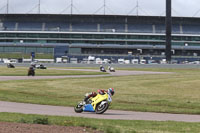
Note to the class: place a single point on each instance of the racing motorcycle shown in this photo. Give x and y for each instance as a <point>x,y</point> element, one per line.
<point>111,69</point>
<point>98,104</point>
<point>102,69</point>
<point>31,71</point>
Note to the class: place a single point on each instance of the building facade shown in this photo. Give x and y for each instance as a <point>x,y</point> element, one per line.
<point>52,36</point>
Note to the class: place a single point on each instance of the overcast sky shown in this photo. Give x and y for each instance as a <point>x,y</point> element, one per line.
<point>188,8</point>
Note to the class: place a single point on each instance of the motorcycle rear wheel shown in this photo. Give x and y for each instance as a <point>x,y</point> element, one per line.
<point>101,109</point>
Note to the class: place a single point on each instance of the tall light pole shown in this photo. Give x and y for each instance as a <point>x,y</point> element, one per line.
<point>7,7</point>
<point>168,23</point>
<point>71,7</point>
<point>104,7</point>
<point>39,7</point>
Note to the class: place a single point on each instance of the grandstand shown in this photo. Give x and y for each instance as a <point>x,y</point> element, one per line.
<point>105,36</point>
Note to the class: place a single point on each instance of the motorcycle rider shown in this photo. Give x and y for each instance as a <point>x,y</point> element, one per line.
<point>110,92</point>
<point>101,67</point>
<point>31,71</point>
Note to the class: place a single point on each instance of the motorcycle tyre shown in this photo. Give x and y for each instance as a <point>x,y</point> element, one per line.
<point>31,73</point>
<point>78,109</point>
<point>103,110</point>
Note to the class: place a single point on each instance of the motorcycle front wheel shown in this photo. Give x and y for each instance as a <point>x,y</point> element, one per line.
<point>78,108</point>
<point>100,109</point>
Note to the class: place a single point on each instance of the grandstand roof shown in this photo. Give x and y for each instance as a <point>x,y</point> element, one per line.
<point>94,15</point>
<point>61,16</point>
<point>97,23</point>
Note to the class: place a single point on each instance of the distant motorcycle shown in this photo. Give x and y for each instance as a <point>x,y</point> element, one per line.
<point>9,65</point>
<point>41,66</point>
<point>31,71</point>
<point>111,69</point>
<point>98,104</point>
<point>102,69</point>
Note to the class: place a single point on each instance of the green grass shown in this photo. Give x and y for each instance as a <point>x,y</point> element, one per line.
<point>172,93</point>
<point>22,71</point>
<point>108,126</point>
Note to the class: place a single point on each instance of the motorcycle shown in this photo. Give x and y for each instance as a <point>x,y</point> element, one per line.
<point>98,104</point>
<point>102,69</point>
<point>31,71</point>
<point>10,65</point>
<point>111,69</point>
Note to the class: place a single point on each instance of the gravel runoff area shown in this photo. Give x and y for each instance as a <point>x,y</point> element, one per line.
<point>6,127</point>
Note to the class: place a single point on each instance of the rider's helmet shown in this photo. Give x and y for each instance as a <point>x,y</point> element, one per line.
<point>111,91</point>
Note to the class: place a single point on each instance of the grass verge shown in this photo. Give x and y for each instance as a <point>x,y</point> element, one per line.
<point>108,126</point>
<point>171,93</point>
<point>22,71</point>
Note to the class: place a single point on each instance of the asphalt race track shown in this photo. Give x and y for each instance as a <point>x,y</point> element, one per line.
<point>117,73</point>
<point>69,111</point>
<point>110,114</point>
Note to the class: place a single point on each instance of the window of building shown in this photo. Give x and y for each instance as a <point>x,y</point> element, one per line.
<point>32,35</point>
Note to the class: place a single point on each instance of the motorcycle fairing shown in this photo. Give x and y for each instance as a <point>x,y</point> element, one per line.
<point>109,99</point>
<point>98,99</point>
<point>88,108</point>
